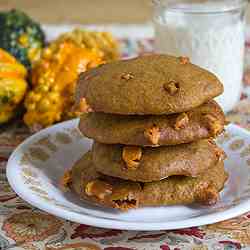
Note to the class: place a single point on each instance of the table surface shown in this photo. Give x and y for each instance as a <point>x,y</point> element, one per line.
<point>25,227</point>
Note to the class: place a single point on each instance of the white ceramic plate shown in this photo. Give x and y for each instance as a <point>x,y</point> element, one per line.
<point>35,167</point>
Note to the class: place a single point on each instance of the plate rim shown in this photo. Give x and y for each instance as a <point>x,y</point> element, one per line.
<point>114,223</point>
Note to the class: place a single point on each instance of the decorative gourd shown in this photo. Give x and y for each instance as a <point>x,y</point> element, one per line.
<point>12,86</point>
<point>103,43</point>
<point>53,80</point>
<point>21,36</point>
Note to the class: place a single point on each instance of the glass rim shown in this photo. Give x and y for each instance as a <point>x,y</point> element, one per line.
<point>174,7</point>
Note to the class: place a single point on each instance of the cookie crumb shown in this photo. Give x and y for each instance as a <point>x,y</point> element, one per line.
<point>126,203</point>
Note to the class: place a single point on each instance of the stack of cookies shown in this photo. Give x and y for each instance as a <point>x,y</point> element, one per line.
<point>153,121</point>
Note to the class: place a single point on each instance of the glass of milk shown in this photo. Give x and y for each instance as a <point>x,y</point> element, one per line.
<point>210,33</point>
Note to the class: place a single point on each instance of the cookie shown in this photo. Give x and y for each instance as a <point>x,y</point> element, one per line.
<point>153,84</point>
<point>153,164</point>
<point>205,121</point>
<point>83,174</point>
<point>124,195</point>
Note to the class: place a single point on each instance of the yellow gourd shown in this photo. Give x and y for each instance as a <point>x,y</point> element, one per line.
<point>13,85</point>
<point>102,43</point>
<point>53,79</point>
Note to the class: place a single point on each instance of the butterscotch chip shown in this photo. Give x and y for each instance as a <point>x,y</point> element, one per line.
<point>207,194</point>
<point>103,190</point>
<point>182,121</point>
<point>184,60</point>
<point>130,195</point>
<point>172,87</point>
<point>153,134</point>
<point>213,124</point>
<point>65,180</point>
<point>131,155</point>
<point>133,130</point>
<point>221,155</point>
<point>84,107</point>
<point>88,188</point>
<point>98,188</point>
<point>127,76</point>
<point>156,163</point>
<point>144,94</point>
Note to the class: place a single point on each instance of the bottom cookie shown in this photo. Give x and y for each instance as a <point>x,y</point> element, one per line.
<point>124,195</point>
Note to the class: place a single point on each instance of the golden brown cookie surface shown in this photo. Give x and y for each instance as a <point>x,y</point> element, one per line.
<point>153,164</point>
<point>124,195</point>
<point>202,122</point>
<point>94,187</point>
<point>153,84</point>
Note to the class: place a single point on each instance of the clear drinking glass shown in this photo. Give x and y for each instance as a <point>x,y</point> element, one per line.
<point>211,33</point>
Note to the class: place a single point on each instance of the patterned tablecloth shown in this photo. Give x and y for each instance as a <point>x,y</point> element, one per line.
<point>25,227</point>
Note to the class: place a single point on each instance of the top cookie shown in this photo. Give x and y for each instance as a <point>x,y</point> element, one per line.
<point>152,84</point>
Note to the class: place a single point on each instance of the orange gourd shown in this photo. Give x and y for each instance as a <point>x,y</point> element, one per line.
<point>53,83</point>
<point>13,85</point>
